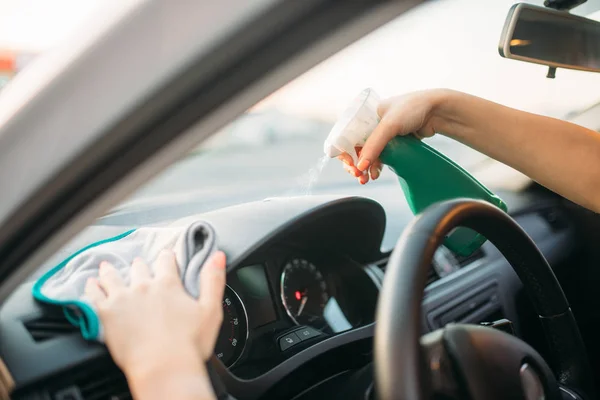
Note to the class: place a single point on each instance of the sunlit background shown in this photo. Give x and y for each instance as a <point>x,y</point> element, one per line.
<point>444,43</point>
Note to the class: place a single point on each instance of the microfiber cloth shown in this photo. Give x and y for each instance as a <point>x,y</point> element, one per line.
<point>64,284</point>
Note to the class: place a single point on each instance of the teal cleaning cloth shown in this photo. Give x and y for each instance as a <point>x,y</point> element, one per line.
<point>64,284</point>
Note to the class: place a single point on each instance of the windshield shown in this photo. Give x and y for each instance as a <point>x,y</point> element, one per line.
<point>275,149</point>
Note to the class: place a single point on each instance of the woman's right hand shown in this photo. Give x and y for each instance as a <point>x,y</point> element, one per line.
<point>402,115</point>
<point>557,154</point>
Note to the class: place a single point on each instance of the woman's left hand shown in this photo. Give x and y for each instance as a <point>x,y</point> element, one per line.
<point>156,332</point>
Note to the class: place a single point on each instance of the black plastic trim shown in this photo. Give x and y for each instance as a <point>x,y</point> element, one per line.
<point>364,214</point>
<point>243,389</point>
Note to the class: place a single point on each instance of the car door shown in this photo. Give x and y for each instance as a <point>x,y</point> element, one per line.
<point>93,120</point>
<point>90,122</point>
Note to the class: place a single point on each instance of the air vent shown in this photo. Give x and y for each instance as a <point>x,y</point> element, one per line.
<point>103,381</point>
<point>49,326</point>
<point>106,384</point>
<point>463,261</point>
<point>432,276</point>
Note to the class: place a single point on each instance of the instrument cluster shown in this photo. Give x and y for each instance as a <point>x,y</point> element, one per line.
<point>289,292</point>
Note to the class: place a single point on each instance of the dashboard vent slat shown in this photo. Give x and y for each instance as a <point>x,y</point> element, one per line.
<point>464,261</point>
<point>49,326</point>
<point>432,275</point>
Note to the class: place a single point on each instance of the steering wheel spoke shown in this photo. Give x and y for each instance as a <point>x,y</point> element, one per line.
<point>437,367</point>
<point>482,363</point>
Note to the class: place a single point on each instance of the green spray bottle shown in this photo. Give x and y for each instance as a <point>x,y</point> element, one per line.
<point>426,175</point>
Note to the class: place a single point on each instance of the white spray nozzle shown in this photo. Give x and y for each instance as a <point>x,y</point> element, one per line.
<point>354,126</point>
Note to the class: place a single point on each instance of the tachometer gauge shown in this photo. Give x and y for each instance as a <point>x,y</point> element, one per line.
<point>234,331</point>
<point>304,292</point>
<point>444,262</point>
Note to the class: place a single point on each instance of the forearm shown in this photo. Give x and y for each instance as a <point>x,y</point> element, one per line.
<point>559,155</point>
<point>171,383</point>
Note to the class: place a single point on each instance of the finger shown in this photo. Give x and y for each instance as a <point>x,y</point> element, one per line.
<point>93,291</point>
<point>363,179</point>
<point>352,171</point>
<point>109,279</point>
<point>375,170</point>
<point>212,287</point>
<point>165,266</point>
<point>139,271</point>
<point>382,134</point>
<point>212,279</point>
<point>346,159</point>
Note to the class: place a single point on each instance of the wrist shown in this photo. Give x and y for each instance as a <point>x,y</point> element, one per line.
<point>446,117</point>
<point>175,378</point>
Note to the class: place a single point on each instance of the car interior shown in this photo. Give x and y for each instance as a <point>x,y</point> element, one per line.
<point>333,290</point>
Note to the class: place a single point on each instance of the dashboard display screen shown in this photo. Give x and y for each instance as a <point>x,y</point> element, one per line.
<point>257,297</point>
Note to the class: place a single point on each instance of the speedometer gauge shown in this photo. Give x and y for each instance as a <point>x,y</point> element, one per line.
<point>304,292</point>
<point>234,331</point>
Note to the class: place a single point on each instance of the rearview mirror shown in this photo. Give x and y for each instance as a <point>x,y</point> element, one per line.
<point>550,37</point>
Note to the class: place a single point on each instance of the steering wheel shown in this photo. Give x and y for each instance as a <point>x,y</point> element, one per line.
<point>471,361</point>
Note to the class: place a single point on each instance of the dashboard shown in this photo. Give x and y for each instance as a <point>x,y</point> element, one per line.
<point>286,300</point>
<point>303,279</point>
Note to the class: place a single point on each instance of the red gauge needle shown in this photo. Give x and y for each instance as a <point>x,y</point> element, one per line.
<point>302,304</point>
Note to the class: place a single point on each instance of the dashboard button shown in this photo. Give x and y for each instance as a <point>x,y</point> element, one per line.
<point>307,333</point>
<point>287,341</point>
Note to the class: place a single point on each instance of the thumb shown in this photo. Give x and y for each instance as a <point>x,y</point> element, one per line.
<point>212,287</point>
<point>212,284</point>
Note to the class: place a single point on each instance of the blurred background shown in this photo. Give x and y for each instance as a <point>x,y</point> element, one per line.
<point>274,148</point>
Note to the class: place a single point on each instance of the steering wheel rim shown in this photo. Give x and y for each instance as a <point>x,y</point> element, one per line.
<point>398,352</point>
